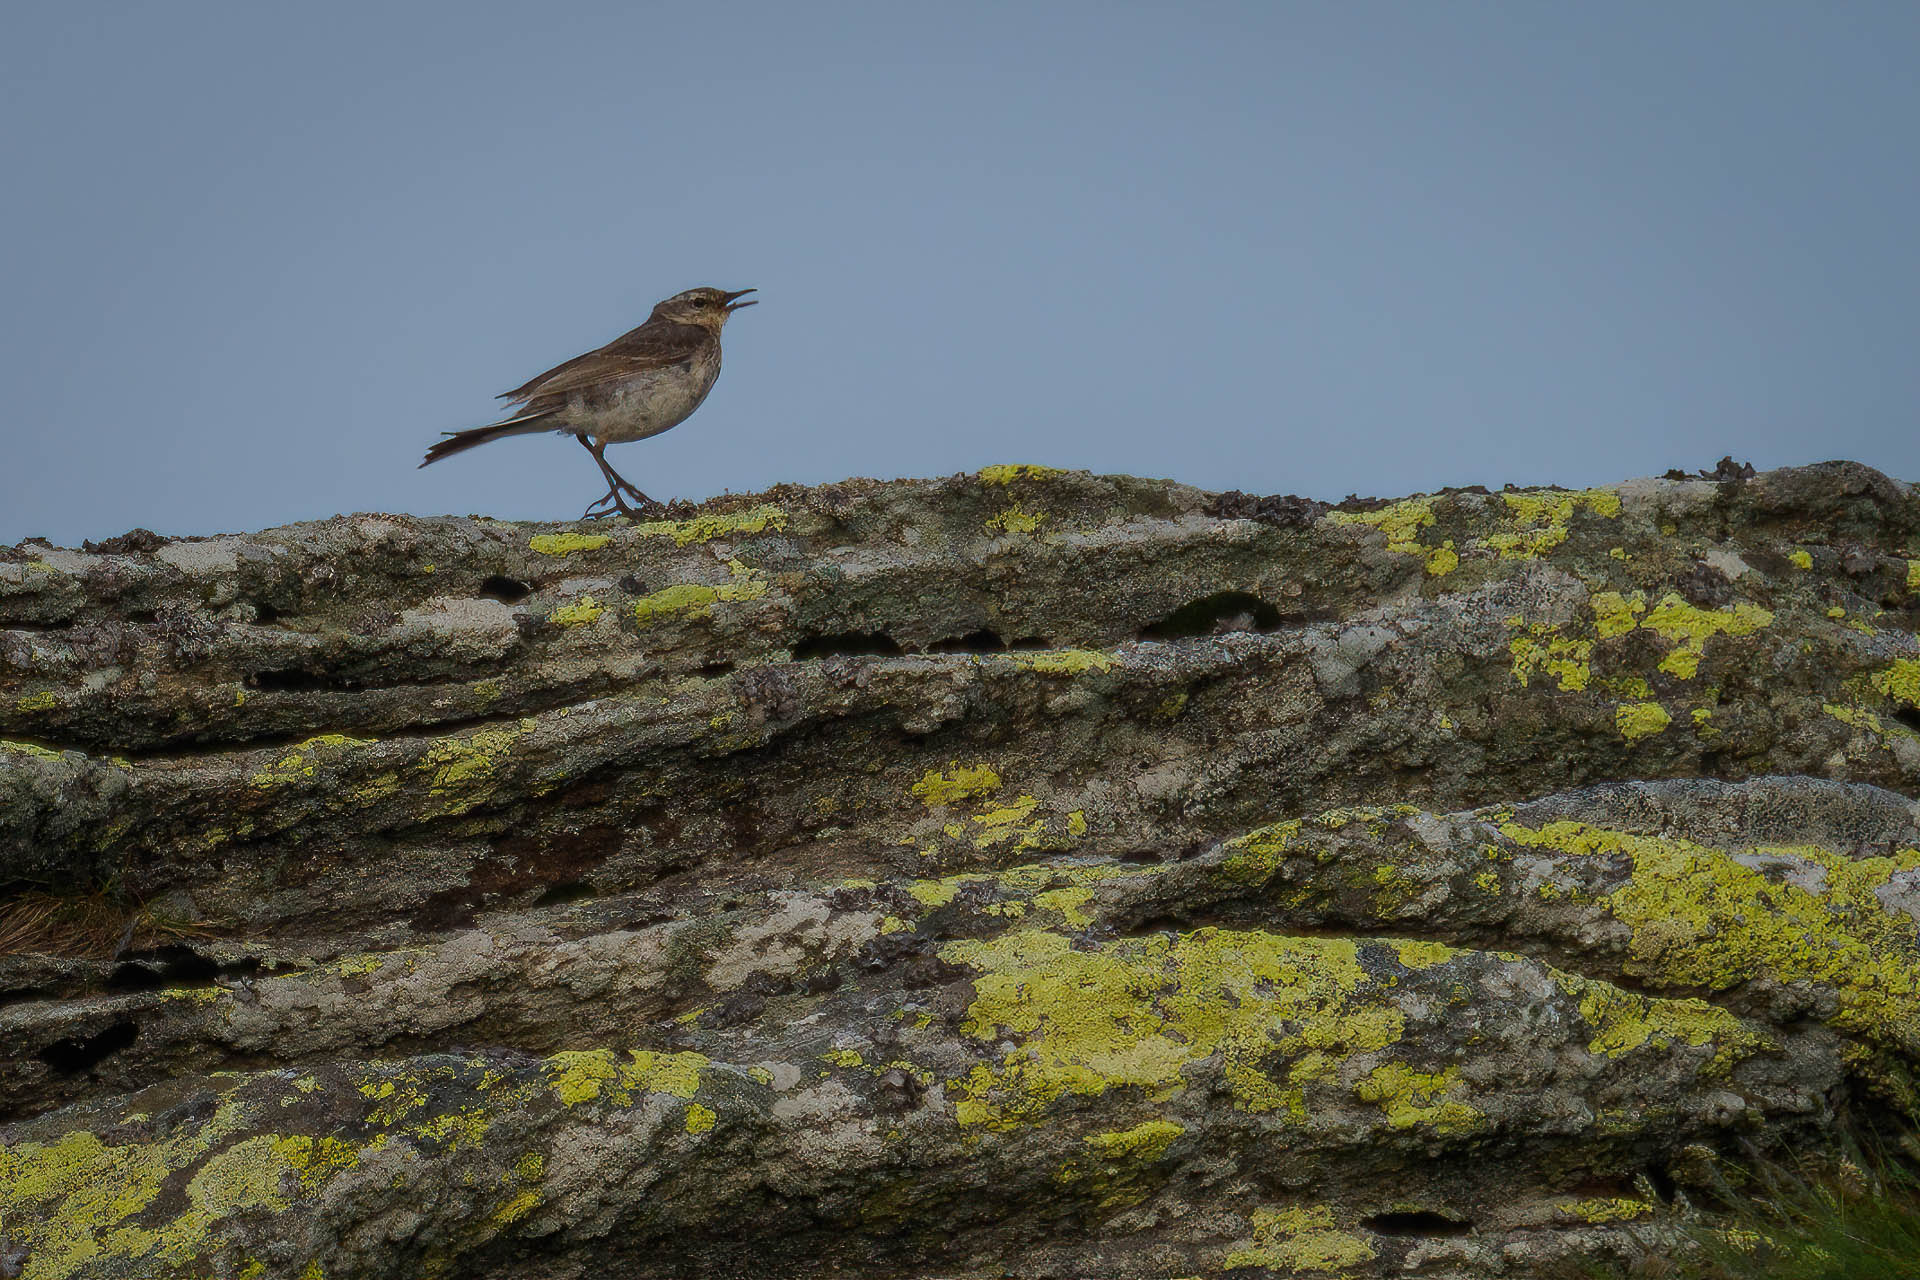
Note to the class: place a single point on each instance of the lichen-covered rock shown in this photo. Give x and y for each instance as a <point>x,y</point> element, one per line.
<point>1028,872</point>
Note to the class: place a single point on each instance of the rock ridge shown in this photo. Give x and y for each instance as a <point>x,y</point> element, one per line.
<point>1026,872</point>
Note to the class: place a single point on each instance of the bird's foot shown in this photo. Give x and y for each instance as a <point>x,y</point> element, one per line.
<point>613,503</point>
<point>621,486</point>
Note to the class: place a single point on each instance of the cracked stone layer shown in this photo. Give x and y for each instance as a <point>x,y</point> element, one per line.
<point>1028,870</point>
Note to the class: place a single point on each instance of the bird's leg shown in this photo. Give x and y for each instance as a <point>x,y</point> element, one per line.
<point>616,486</point>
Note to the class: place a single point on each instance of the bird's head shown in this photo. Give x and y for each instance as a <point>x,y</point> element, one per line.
<point>708,308</point>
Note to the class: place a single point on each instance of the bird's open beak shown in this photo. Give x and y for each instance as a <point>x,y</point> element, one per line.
<point>740,294</point>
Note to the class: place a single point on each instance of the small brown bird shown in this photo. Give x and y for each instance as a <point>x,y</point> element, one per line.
<point>645,381</point>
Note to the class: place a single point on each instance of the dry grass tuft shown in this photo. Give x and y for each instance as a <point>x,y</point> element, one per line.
<point>91,926</point>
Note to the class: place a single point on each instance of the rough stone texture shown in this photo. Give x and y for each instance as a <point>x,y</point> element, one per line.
<point>1029,873</point>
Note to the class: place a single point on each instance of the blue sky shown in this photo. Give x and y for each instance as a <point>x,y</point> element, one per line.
<point>260,255</point>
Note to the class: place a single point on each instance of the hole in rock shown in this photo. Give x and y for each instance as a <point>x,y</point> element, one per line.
<point>75,1054</point>
<point>1220,612</point>
<point>505,590</point>
<point>714,670</point>
<point>264,614</point>
<point>981,641</point>
<point>1419,1222</point>
<point>852,644</point>
<point>161,966</point>
<point>560,894</point>
<point>1910,717</point>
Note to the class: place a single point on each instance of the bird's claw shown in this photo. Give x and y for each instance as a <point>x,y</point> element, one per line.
<point>611,503</point>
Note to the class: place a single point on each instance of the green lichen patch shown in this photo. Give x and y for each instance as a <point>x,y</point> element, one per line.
<point>959,782</point>
<point>1301,1240</point>
<point>1146,1142</point>
<point>1138,1013</point>
<point>1014,520</point>
<point>1401,522</point>
<point>694,600</point>
<point>463,768</point>
<point>579,613</point>
<point>1603,1209</point>
<point>582,1076</point>
<point>1701,919</point>
<point>1542,652</point>
<point>1253,858</point>
<point>1007,473</point>
<point>1637,720</point>
<point>566,544</point>
<point>11,747</point>
<point>1063,662</point>
<point>1901,681</point>
<point>301,761</point>
<point>1689,627</point>
<point>1542,519</point>
<point>1409,1097</point>
<point>705,528</point>
<point>1685,627</point>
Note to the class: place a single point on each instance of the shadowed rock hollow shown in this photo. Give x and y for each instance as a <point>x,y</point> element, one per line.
<point>1030,872</point>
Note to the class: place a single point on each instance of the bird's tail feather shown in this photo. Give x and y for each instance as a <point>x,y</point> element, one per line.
<point>461,441</point>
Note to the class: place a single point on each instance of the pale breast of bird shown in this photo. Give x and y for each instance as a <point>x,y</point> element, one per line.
<point>646,403</point>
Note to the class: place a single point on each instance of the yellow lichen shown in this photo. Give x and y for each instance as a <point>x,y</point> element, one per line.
<point>960,782</point>
<point>1614,614</point>
<point>1070,903</point>
<point>578,1076</point>
<point>45,700</point>
<point>1136,1012</point>
<point>1689,628</point>
<point>1604,1209</point>
<point>1443,559</point>
<point>1014,520</point>
<point>1401,522</point>
<point>464,766</point>
<point>1254,857</point>
<point>28,749</point>
<point>578,614</point>
<point>705,528</point>
<point>302,760</point>
<point>700,1119</point>
<point>1064,662</point>
<point>694,600</point>
<point>565,544</point>
<point>1424,955</point>
<point>1542,518</point>
<point>1145,1142</point>
<point>1410,1098</point>
<point>1800,559</point>
<point>1702,920</point>
<point>1913,575</point>
<point>1637,720</point>
<point>1007,822</point>
<point>1901,681</point>
<point>1567,660</point>
<point>1300,1240</point>
<point>1007,473</point>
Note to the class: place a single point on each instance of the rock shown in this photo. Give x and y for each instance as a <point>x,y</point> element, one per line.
<point>1029,872</point>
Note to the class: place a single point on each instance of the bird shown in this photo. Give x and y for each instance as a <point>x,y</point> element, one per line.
<point>646,381</point>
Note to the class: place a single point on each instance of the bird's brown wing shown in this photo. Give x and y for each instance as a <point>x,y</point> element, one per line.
<point>653,345</point>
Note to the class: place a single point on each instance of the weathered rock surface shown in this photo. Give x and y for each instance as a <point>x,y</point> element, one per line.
<point>1028,873</point>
